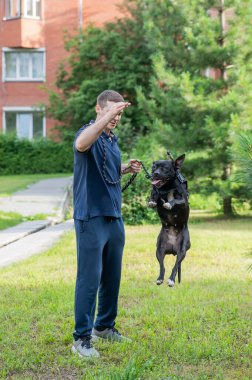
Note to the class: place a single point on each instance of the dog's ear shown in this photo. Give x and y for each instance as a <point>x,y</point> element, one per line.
<point>179,161</point>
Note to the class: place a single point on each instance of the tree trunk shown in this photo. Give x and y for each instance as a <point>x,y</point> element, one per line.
<point>227,206</point>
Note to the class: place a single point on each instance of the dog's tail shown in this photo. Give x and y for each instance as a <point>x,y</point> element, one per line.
<point>179,273</point>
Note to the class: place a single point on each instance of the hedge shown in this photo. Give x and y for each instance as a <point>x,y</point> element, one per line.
<point>20,156</point>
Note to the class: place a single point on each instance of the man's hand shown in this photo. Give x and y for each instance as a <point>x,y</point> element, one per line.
<point>113,109</point>
<point>134,166</point>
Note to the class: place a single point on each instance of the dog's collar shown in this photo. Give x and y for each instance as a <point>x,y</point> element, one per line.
<point>180,177</point>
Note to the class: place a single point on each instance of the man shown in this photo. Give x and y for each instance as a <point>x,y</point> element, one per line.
<point>98,224</point>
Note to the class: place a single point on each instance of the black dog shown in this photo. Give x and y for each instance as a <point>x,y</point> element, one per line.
<point>171,199</point>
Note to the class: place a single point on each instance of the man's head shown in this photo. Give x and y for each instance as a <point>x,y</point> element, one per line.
<point>109,96</point>
<point>104,101</point>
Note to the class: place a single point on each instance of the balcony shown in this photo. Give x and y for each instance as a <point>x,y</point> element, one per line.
<point>22,9</point>
<point>21,24</point>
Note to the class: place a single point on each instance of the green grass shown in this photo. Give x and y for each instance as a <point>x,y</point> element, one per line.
<point>9,184</point>
<point>11,219</point>
<point>199,330</point>
<point>12,183</point>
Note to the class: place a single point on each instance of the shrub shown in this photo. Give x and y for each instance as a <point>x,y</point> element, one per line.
<point>31,157</point>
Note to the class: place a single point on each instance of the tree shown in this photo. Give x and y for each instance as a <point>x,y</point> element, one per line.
<point>115,56</point>
<point>189,110</point>
<point>158,57</point>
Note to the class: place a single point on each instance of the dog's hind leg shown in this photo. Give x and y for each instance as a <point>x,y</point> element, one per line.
<point>171,279</point>
<point>162,249</point>
<point>160,257</point>
<point>185,245</point>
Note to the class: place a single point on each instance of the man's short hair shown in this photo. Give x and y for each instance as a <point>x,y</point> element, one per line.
<point>109,95</point>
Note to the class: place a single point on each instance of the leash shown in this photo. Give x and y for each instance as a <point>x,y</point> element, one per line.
<point>132,178</point>
<point>179,177</point>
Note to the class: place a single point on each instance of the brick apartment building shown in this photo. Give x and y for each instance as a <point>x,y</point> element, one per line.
<point>31,42</point>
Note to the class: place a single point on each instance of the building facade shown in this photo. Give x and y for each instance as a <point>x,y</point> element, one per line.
<point>32,46</point>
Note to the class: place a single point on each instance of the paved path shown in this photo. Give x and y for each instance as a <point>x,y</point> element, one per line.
<point>50,197</point>
<point>43,197</point>
<point>33,244</point>
<point>9,235</point>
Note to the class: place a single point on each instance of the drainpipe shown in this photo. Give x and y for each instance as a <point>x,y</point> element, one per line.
<point>80,14</point>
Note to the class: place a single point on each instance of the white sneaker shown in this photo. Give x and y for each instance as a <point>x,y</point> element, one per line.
<point>109,334</point>
<point>84,348</point>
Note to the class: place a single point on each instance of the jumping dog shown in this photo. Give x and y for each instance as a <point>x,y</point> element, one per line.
<point>170,197</point>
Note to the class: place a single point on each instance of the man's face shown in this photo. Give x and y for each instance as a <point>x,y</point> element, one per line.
<point>113,123</point>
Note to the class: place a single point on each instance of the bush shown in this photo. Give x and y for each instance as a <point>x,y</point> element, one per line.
<point>135,197</point>
<point>32,157</point>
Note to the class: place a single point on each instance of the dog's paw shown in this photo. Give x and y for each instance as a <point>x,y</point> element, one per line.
<point>159,282</point>
<point>152,204</point>
<point>167,205</point>
<point>171,283</point>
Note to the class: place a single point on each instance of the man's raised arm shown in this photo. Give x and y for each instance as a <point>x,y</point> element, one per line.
<point>91,133</point>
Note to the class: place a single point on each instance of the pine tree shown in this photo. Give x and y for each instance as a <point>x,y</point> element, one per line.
<point>190,111</point>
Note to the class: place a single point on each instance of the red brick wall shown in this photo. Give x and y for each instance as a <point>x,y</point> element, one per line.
<point>58,16</point>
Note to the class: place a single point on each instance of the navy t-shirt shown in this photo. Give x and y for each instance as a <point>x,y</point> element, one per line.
<point>93,195</point>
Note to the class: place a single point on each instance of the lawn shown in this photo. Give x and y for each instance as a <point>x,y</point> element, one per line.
<point>9,219</point>
<point>199,330</point>
<point>9,184</point>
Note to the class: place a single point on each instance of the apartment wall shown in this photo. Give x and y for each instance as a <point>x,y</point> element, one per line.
<point>58,17</point>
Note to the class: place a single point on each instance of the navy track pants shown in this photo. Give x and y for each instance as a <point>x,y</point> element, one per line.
<point>100,243</point>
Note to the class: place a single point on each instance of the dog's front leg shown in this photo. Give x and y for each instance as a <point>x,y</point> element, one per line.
<point>170,201</point>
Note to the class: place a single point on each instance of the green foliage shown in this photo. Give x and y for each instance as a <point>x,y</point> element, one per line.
<point>117,57</point>
<point>186,108</point>
<point>243,158</point>
<point>203,202</point>
<point>38,156</point>
<point>157,57</point>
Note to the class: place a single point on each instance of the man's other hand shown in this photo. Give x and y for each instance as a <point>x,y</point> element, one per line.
<point>134,166</point>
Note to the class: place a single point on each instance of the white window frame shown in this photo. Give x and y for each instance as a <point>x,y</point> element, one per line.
<point>21,79</point>
<point>5,10</point>
<point>25,15</point>
<point>30,110</point>
<point>22,4</point>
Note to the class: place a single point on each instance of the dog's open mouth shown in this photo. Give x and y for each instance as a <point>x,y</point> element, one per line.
<point>158,182</point>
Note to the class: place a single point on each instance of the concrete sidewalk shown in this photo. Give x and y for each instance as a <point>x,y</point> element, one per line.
<point>9,235</point>
<point>33,244</point>
<point>44,197</point>
<point>50,197</point>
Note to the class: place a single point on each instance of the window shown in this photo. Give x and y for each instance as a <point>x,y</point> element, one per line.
<point>24,123</point>
<point>22,8</point>
<point>24,65</point>
<point>32,8</point>
<point>12,8</point>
